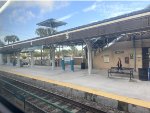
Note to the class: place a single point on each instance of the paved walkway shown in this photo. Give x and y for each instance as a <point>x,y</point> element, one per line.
<point>98,80</point>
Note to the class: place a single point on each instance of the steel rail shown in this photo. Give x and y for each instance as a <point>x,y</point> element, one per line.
<point>81,105</point>
<point>33,95</point>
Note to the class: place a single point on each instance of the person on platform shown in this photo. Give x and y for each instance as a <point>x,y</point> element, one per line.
<point>119,64</point>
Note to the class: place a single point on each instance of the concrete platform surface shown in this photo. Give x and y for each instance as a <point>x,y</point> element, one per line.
<point>98,81</point>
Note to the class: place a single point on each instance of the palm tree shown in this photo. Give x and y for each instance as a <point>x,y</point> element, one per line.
<point>8,39</point>
<point>74,50</point>
<point>42,32</point>
<point>14,38</point>
<point>11,38</point>
<point>50,31</point>
<point>1,43</point>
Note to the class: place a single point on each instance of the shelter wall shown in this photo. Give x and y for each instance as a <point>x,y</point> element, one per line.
<point>122,50</point>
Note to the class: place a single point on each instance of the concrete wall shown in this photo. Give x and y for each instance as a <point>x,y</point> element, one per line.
<point>126,48</point>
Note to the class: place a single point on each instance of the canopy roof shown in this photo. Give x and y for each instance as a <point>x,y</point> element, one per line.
<point>30,49</point>
<point>53,23</point>
<point>107,30</point>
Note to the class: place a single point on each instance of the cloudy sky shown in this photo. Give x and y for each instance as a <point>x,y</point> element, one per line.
<point>20,17</point>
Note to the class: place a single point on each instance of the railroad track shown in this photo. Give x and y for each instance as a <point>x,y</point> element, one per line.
<point>42,100</point>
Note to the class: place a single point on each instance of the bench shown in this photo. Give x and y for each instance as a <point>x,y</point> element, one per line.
<point>124,70</point>
<point>24,64</point>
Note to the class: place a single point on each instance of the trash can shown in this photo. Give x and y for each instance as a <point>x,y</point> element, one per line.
<point>143,73</point>
<point>63,64</point>
<point>82,65</point>
<point>56,63</point>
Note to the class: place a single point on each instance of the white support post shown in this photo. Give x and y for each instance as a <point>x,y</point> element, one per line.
<point>8,59</point>
<point>134,47</point>
<point>50,57</point>
<point>82,54</point>
<point>53,58</point>
<point>32,59</point>
<point>1,59</point>
<point>89,48</point>
<point>18,59</point>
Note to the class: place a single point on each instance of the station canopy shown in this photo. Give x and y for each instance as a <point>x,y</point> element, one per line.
<point>53,23</point>
<point>30,49</point>
<point>100,33</point>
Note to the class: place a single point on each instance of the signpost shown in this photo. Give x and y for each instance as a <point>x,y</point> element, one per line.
<point>68,60</point>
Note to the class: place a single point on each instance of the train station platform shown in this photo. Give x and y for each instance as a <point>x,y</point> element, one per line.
<point>119,88</point>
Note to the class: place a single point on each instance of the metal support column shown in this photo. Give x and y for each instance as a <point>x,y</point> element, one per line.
<point>1,59</point>
<point>62,60</point>
<point>89,49</point>
<point>18,59</point>
<point>50,56</point>
<point>53,58</point>
<point>41,56</point>
<point>72,64</point>
<point>82,53</point>
<point>32,59</point>
<point>134,48</point>
<point>59,54</point>
<point>63,63</point>
<point>8,59</point>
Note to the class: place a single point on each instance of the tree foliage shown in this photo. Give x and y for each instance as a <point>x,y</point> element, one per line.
<point>74,50</point>
<point>1,43</point>
<point>11,38</point>
<point>14,38</point>
<point>42,32</point>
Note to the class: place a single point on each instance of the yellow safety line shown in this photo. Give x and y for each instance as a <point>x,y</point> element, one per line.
<point>133,101</point>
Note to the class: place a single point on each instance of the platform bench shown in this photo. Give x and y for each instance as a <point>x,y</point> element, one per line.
<point>124,70</point>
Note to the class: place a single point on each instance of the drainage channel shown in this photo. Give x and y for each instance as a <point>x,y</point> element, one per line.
<point>30,98</point>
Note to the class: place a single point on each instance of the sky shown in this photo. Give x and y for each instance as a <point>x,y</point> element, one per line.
<point>20,17</point>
